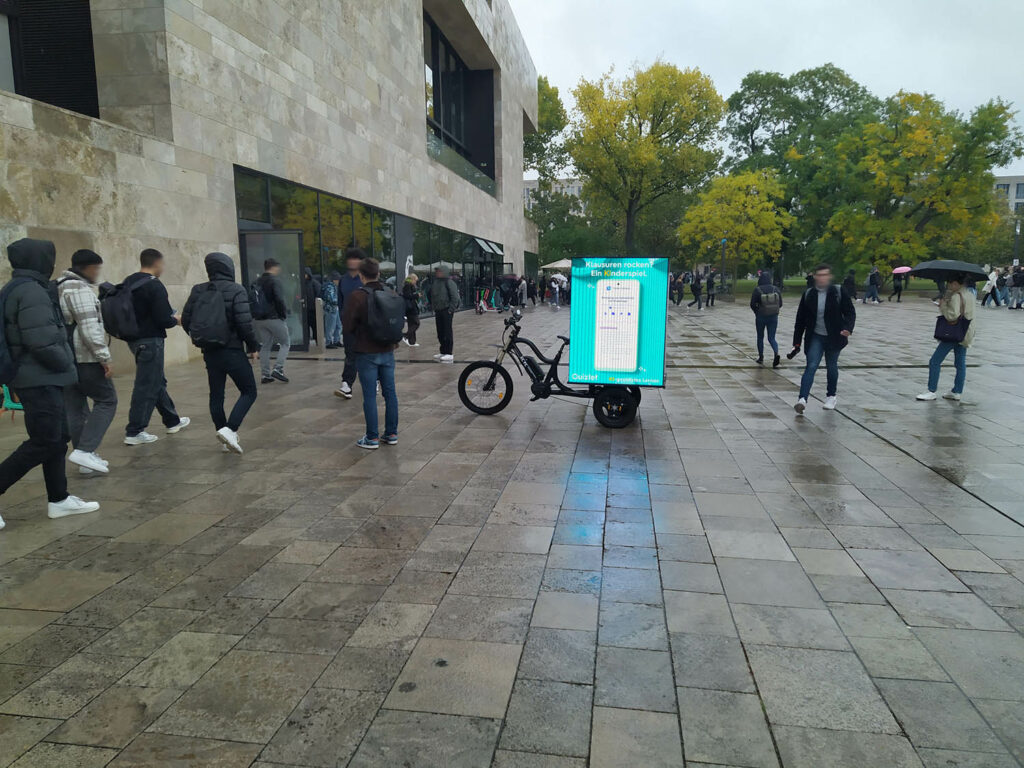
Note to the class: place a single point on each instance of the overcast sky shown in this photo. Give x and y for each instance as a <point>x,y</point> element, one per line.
<point>963,51</point>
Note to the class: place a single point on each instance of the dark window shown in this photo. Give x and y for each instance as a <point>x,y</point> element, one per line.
<point>51,56</point>
<point>335,231</point>
<point>295,207</point>
<point>6,56</point>
<point>459,110</point>
<point>1020,191</point>
<point>1018,207</point>
<point>1003,189</point>
<point>251,197</point>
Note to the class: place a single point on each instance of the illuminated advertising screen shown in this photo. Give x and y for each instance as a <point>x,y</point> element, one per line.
<point>617,321</point>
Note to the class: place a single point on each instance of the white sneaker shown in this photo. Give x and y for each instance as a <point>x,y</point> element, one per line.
<point>926,396</point>
<point>830,402</point>
<point>230,438</point>
<point>72,505</point>
<point>801,404</point>
<point>414,345</point>
<point>2,524</point>
<point>345,390</point>
<point>951,396</point>
<point>378,387</point>
<point>182,423</point>
<point>406,342</point>
<point>88,461</point>
<point>140,439</point>
<point>447,358</point>
<point>438,356</point>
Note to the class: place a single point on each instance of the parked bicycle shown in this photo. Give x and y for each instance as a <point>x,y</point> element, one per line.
<point>486,387</point>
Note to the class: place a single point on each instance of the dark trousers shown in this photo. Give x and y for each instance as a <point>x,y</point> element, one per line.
<point>898,293</point>
<point>150,390</point>
<point>234,363</point>
<point>46,424</point>
<point>348,373</point>
<point>86,425</point>
<point>445,337</point>
<point>696,299</point>
<point>710,300</point>
<point>413,322</point>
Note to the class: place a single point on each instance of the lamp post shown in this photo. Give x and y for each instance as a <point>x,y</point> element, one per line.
<point>1016,244</point>
<point>721,278</point>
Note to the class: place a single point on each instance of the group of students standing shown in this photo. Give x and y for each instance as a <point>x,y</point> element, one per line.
<point>702,287</point>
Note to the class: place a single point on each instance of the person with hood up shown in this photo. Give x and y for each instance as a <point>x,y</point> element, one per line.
<point>766,301</point>
<point>38,343</point>
<point>81,308</point>
<point>234,336</point>
<point>444,298</point>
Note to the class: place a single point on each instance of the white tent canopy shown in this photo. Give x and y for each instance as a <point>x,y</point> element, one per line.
<point>561,264</point>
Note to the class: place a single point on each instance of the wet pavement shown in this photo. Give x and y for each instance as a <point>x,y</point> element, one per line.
<point>720,583</point>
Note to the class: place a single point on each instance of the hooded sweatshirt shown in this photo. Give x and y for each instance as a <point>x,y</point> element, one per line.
<point>221,271</point>
<point>764,286</point>
<point>35,331</point>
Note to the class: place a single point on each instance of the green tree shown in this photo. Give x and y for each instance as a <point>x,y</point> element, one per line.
<point>544,150</point>
<point>647,136</point>
<point>746,210</point>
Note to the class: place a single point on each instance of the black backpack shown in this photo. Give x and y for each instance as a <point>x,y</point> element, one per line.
<point>385,315</point>
<point>8,365</point>
<point>208,324</point>
<point>118,309</point>
<point>258,302</point>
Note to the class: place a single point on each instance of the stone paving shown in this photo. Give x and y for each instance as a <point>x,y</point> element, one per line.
<point>721,583</point>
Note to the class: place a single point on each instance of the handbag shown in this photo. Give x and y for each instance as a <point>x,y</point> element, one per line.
<point>954,332</point>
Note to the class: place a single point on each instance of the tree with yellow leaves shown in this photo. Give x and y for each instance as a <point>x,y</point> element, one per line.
<point>745,209</point>
<point>638,140</point>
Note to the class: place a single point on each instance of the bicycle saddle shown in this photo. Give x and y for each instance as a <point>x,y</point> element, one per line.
<point>564,338</point>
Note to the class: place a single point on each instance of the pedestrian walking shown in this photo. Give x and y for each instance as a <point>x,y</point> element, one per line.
<point>349,283</point>
<point>374,350</point>
<point>695,289</point>
<point>411,294</point>
<point>37,344</point>
<point>954,332</point>
<point>218,319</point>
<point>1016,288</point>
<point>766,301</point>
<point>521,289</point>
<point>874,282</point>
<point>153,316</point>
<point>554,286</point>
<point>444,298</point>
<point>824,321</point>
<point>332,312</point>
<point>710,287</point>
<point>897,287</point>
<point>680,289</point>
<point>270,321</point>
<point>849,284</point>
<point>531,291</point>
<point>81,310</point>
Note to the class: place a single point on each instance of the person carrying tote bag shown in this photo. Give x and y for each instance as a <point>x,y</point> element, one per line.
<point>954,330</point>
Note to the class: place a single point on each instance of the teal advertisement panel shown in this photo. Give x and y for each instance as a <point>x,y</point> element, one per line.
<point>617,321</point>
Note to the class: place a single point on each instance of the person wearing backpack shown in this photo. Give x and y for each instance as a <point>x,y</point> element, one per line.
<point>766,301</point>
<point>824,322</point>
<point>444,298</point>
<point>218,319</point>
<point>332,315</point>
<point>270,321</point>
<point>374,316</point>
<point>348,284</point>
<point>81,309</point>
<point>153,316</point>
<point>36,362</point>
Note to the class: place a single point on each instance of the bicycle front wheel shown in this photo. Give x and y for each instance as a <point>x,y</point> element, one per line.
<point>485,387</point>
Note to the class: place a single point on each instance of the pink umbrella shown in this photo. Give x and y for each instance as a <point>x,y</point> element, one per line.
<point>901,270</point>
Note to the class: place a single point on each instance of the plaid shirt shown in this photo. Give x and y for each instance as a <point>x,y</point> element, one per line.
<point>81,308</point>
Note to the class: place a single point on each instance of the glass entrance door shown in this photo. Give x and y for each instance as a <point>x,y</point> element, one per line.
<point>285,246</point>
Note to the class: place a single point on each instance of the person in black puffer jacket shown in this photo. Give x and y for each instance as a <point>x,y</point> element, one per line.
<point>38,343</point>
<point>227,359</point>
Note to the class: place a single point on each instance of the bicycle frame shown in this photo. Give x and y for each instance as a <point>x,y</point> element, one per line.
<point>543,386</point>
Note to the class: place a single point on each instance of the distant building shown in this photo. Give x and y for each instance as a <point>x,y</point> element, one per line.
<point>566,186</point>
<point>1012,188</point>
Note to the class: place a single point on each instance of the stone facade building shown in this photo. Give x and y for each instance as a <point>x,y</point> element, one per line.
<point>294,128</point>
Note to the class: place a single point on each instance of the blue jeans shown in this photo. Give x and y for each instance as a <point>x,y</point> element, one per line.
<point>150,390</point>
<point>959,360</point>
<point>817,348</point>
<point>332,326</point>
<point>766,323</point>
<point>374,367</point>
<point>871,293</point>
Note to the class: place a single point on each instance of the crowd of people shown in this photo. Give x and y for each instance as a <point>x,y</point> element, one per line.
<point>703,287</point>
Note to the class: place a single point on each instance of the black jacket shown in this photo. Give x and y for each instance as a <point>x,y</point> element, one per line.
<point>411,294</point>
<point>849,285</point>
<point>274,291</point>
<point>34,325</point>
<point>839,316</point>
<point>310,289</point>
<point>875,279</point>
<point>152,306</point>
<point>221,271</point>
<point>764,283</point>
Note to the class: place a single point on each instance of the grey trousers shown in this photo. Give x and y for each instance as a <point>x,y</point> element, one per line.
<point>87,427</point>
<point>270,332</point>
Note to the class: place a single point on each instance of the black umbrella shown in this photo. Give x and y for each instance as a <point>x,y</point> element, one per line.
<point>944,269</point>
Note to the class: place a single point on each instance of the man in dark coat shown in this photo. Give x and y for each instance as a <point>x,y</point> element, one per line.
<point>38,342</point>
<point>229,359</point>
<point>824,322</point>
<point>310,293</point>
